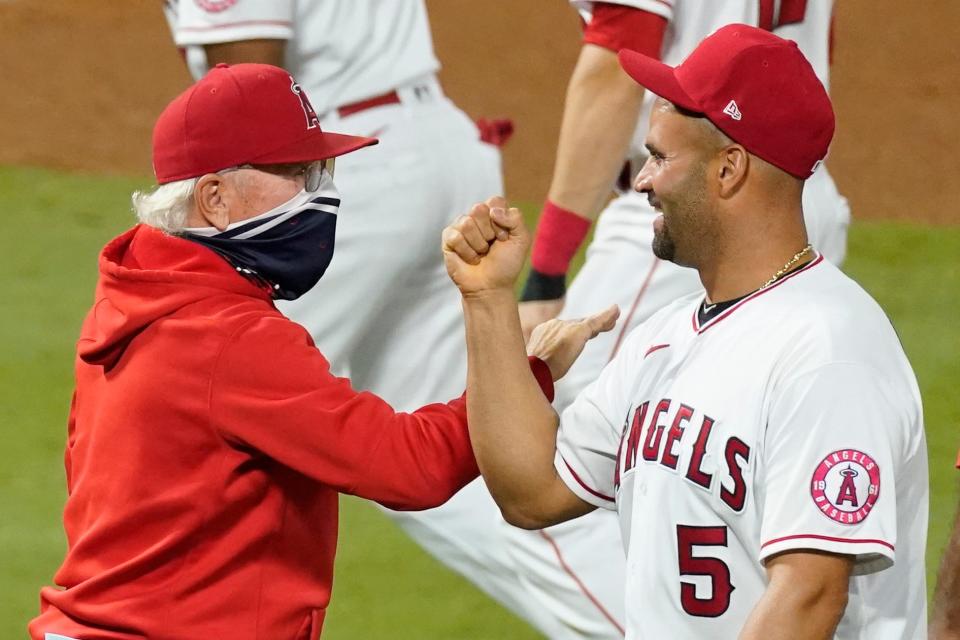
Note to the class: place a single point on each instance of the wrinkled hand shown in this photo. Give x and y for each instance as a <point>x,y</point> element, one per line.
<point>559,342</point>
<point>535,312</point>
<point>486,248</point>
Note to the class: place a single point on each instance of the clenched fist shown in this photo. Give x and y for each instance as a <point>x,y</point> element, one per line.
<point>485,249</point>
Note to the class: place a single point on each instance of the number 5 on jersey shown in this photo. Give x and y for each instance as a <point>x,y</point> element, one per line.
<point>688,537</point>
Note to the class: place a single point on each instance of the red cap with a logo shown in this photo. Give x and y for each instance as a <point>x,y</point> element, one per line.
<point>754,86</point>
<point>241,114</point>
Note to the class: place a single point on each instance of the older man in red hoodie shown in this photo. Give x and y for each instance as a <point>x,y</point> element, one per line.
<point>208,440</point>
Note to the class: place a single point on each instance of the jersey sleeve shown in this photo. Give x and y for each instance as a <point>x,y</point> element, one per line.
<point>200,22</point>
<point>829,470</point>
<point>615,27</point>
<point>590,433</point>
<point>663,8</point>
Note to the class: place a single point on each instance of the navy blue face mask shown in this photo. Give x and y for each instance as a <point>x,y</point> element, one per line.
<point>287,248</point>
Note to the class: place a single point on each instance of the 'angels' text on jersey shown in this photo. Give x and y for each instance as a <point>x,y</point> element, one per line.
<point>661,446</point>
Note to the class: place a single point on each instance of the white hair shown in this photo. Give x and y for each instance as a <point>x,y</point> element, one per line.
<point>165,207</point>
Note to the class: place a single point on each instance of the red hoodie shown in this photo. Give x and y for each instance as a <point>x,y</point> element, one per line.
<point>207,444</point>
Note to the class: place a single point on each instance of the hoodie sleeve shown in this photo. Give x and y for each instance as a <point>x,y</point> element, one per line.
<point>273,392</point>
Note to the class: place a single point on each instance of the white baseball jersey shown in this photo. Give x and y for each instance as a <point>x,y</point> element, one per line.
<point>791,420</point>
<point>339,52</point>
<point>807,22</point>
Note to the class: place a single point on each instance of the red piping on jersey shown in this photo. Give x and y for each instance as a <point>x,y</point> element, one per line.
<point>655,347</point>
<point>580,585</point>
<point>584,485</point>
<point>633,308</point>
<point>754,295</point>
<point>242,23</point>
<point>829,539</point>
<point>665,3</point>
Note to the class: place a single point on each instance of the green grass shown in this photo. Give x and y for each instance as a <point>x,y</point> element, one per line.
<point>385,586</point>
<point>54,225</point>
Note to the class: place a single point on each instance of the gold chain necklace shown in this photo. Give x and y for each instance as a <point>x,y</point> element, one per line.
<point>792,261</point>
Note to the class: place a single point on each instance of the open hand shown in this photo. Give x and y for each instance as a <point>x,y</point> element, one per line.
<point>559,342</point>
<point>486,248</point>
<point>535,312</point>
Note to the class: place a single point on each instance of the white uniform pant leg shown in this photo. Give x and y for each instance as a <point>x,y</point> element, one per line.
<point>387,315</point>
<point>575,571</point>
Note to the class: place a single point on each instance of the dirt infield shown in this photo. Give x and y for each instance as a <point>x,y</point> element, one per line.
<point>84,79</point>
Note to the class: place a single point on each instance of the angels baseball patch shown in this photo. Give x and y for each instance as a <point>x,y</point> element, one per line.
<point>846,485</point>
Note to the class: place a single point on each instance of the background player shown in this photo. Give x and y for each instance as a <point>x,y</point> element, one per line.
<point>945,618</point>
<point>762,442</point>
<point>605,121</point>
<point>390,319</point>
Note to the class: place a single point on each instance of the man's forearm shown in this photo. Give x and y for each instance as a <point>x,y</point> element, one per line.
<point>600,115</point>
<point>805,598</point>
<point>512,425</point>
<point>795,616</point>
<point>945,620</point>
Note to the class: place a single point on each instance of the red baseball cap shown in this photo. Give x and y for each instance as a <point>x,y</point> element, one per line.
<point>754,86</point>
<point>241,114</point>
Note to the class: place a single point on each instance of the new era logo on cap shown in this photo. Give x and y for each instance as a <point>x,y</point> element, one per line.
<point>733,110</point>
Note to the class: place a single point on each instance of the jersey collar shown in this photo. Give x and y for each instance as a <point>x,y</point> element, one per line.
<point>698,328</point>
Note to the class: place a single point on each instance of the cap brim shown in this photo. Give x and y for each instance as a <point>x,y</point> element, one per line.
<point>656,77</point>
<point>316,147</point>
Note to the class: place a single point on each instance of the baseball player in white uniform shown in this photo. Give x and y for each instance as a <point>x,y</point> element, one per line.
<point>575,570</point>
<point>370,69</point>
<point>760,441</point>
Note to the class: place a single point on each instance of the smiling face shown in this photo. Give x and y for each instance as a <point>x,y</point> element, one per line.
<point>674,179</point>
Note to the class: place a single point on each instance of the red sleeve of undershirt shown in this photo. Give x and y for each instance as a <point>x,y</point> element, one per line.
<point>615,27</point>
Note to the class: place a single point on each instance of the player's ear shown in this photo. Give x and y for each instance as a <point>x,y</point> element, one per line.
<point>732,170</point>
<point>209,201</point>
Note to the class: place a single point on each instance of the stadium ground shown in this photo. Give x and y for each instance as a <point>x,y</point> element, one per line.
<point>385,586</point>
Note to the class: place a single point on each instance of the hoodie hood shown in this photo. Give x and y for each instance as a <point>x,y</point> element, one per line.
<point>145,275</point>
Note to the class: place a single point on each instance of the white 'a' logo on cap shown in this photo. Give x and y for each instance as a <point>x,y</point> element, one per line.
<point>308,112</point>
<point>733,110</point>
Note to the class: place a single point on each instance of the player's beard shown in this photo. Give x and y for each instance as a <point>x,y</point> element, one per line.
<point>683,235</point>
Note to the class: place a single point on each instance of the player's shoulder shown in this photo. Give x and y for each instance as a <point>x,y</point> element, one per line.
<point>831,296</point>
<point>830,328</point>
<point>835,319</point>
